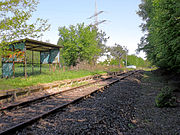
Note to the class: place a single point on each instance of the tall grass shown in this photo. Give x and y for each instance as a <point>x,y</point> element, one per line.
<point>45,77</point>
<point>81,70</point>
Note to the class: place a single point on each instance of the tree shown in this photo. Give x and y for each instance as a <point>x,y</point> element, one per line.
<point>117,52</point>
<point>15,24</point>
<point>137,61</point>
<point>162,38</point>
<point>80,43</point>
<point>102,39</point>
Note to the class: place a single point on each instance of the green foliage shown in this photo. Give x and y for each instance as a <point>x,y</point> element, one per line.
<point>80,43</point>
<point>137,61</point>
<point>114,62</point>
<point>14,21</point>
<point>165,98</point>
<point>45,77</point>
<point>102,39</point>
<point>117,51</point>
<point>131,60</point>
<point>162,23</point>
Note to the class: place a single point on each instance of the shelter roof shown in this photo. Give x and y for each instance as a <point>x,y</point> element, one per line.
<point>35,45</point>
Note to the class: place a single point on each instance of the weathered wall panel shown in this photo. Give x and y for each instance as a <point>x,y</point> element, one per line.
<point>7,70</point>
<point>50,57</point>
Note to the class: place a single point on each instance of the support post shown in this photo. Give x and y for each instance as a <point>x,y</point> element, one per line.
<point>49,67</point>
<point>40,63</point>
<point>53,67</point>
<point>2,67</point>
<point>13,63</point>
<point>50,64</point>
<point>126,59</point>
<point>126,55</point>
<point>59,61</point>
<point>14,96</point>
<point>32,62</point>
<point>40,68</point>
<point>25,64</point>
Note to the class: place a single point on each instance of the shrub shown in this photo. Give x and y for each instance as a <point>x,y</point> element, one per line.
<point>165,98</point>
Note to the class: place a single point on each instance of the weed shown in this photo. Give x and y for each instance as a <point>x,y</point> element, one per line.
<point>78,84</point>
<point>130,125</point>
<point>165,98</point>
<point>46,77</point>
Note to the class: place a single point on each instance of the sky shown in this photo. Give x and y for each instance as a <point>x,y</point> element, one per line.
<point>122,23</point>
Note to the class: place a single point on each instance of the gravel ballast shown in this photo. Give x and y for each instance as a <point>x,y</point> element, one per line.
<point>125,108</point>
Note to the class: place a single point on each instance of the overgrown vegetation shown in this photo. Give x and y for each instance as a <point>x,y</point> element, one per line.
<point>45,77</point>
<point>161,39</point>
<point>80,70</point>
<point>131,60</point>
<point>162,33</point>
<point>80,43</point>
<point>165,98</point>
<point>15,24</point>
<point>137,61</point>
<point>86,44</point>
<point>117,52</point>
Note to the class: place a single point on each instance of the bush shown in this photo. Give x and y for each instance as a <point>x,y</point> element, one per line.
<point>165,98</point>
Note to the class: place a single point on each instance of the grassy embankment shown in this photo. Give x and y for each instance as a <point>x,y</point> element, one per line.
<point>47,76</point>
<point>19,82</point>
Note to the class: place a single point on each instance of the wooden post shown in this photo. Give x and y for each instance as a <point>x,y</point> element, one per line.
<point>32,62</point>
<point>49,62</point>
<point>49,67</point>
<point>13,63</point>
<point>40,68</point>
<point>2,68</point>
<point>40,62</point>
<point>25,63</point>
<point>59,61</point>
<point>54,67</point>
<point>23,67</point>
<point>7,99</point>
<point>14,96</point>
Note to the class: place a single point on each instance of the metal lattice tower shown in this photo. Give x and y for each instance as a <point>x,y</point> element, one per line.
<point>95,16</point>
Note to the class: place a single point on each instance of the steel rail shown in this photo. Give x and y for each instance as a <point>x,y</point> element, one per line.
<point>19,126</point>
<point>10,107</point>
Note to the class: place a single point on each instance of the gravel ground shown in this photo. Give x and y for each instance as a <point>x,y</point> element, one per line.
<point>125,108</point>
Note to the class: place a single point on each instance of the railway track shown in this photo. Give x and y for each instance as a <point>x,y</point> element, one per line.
<point>19,115</point>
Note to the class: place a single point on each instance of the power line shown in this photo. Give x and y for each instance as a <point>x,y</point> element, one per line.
<point>95,16</point>
<point>97,23</point>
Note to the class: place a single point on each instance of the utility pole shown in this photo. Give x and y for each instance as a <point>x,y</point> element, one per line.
<point>126,54</point>
<point>126,59</point>
<point>126,51</point>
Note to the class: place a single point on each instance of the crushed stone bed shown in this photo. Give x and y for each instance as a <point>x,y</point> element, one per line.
<point>125,108</point>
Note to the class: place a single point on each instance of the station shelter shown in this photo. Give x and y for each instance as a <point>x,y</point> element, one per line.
<point>24,55</point>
